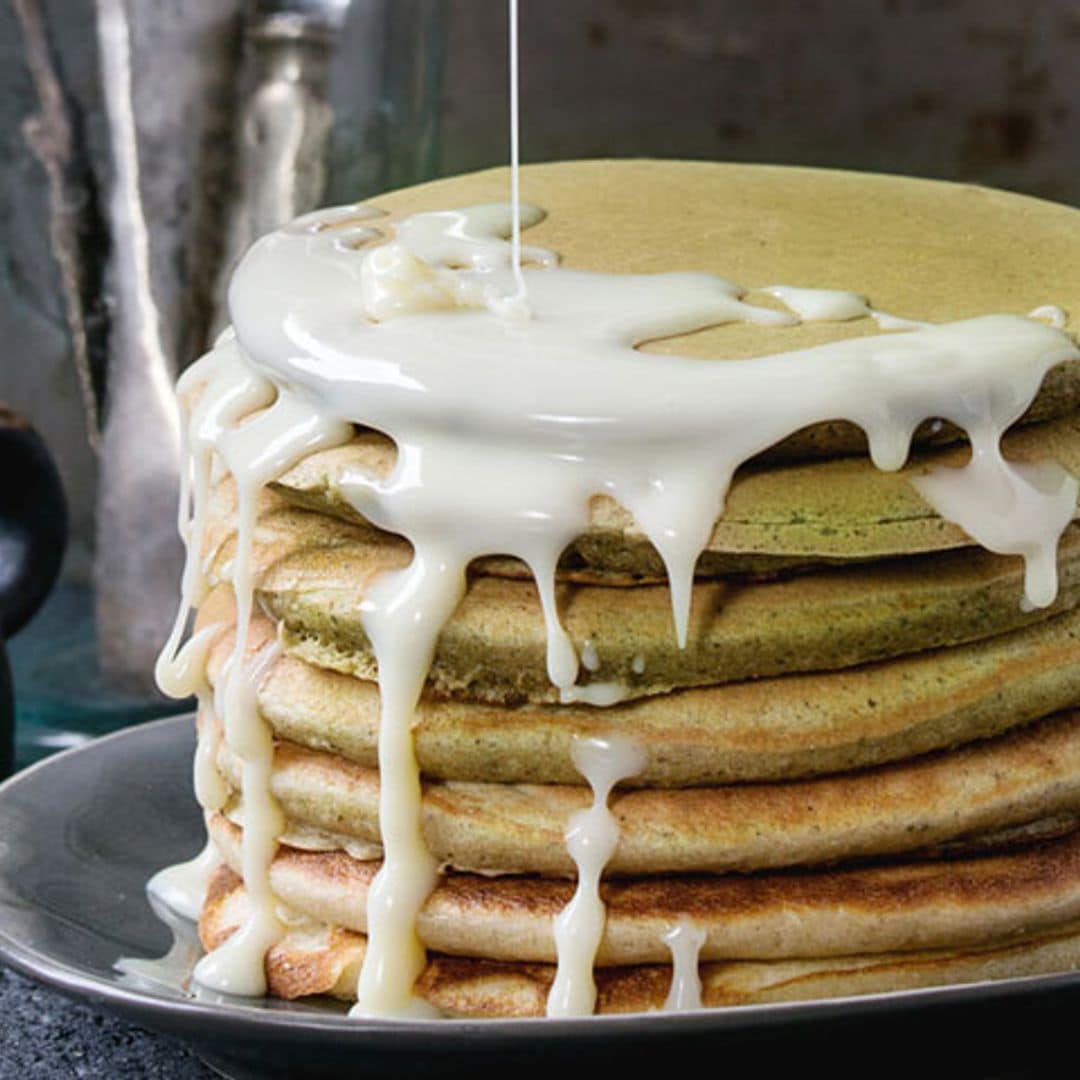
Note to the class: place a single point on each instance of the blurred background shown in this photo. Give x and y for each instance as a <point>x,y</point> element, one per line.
<point>144,143</point>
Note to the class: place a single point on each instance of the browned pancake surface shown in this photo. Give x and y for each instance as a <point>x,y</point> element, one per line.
<point>323,959</point>
<point>925,904</point>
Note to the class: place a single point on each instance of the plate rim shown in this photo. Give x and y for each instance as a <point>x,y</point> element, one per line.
<point>181,1015</point>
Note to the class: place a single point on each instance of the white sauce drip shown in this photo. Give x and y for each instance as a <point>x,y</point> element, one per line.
<point>403,615</point>
<point>182,888</point>
<point>172,971</point>
<point>590,658</point>
<point>237,967</point>
<point>821,305</point>
<point>837,305</point>
<point>591,838</point>
<point>221,434</point>
<point>600,694</point>
<point>1043,493</point>
<point>404,338</point>
<point>1051,314</point>
<point>685,940</point>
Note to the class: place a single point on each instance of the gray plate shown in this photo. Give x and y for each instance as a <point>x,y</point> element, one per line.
<point>81,833</point>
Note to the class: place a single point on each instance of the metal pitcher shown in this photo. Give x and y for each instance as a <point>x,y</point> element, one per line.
<point>193,129</point>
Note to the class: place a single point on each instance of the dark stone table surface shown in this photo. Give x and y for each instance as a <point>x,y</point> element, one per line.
<point>44,1035</point>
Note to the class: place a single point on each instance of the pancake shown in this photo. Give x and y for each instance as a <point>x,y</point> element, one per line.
<point>316,959</point>
<point>861,772</point>
<point>774,518</point>
<point>312,573</point>
<point>313,838</point>
<point>767,729</point>
<point>920,249</point>
<point>930,904</point>
<point>1025,776</point>
<point>848,509</point>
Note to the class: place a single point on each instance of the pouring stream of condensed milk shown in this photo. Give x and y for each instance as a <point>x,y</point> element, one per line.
<point>514,394</point>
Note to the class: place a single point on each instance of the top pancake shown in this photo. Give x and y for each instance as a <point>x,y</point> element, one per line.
<point>919,249</point>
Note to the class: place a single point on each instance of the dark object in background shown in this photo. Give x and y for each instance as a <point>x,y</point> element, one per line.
<point>33,534</point>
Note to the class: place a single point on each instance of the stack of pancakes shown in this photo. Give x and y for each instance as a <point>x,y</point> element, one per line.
<point>863,770</point>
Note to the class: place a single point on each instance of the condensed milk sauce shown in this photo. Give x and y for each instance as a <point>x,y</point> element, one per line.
<point>685,940</point>
<point>591,838</point>
<point>515,393</point>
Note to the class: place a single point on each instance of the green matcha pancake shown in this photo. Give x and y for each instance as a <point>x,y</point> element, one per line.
<point>764,729</point>
<point>312,572</point>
